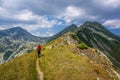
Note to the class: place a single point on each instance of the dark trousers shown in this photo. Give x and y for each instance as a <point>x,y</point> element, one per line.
<point>39,52</point>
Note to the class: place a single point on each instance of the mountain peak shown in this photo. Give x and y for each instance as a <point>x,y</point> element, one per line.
<point>73,25</point>
<point>17,33</point>
<point>18,27</point>
<point>70,28</point>
<point>88,23</point>
<point>93,26</point>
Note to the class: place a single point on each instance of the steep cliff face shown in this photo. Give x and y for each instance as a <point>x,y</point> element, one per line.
<point>95,35</point>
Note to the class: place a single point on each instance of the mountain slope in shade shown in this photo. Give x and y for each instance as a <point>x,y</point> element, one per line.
<point>70,28</point>
<point>95,35</point>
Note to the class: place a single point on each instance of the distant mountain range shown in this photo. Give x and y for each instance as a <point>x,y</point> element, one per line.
<point>14,41</point>
<point>88,52</point>
<point>18,33</point>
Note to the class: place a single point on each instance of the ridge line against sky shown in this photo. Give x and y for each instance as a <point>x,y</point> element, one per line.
<point>46,17</point>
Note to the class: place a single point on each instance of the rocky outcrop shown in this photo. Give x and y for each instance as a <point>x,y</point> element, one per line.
<point>65,39</point>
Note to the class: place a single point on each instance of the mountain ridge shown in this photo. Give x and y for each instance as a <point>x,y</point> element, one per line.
<point>70,28</point>
<point>96,35</point>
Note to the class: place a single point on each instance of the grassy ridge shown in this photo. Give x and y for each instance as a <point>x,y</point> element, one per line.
<point>61,64</point>
<point>21,68</point>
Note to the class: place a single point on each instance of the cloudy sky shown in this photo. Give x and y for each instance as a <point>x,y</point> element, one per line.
<point>47,17</point>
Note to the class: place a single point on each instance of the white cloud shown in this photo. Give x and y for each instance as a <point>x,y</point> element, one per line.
<point>2,10</point>
<point>2,28</point>
<point>114,23</point>
<point>72,11</point>
<point>11,3</point>
<point>107,3</point>
<point>4,13</point>
<point>47,34</point>
<point>60,23</point>
<point>25,15</point>
<point>41,21</point>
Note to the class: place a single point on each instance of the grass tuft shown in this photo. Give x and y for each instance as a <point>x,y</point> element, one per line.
<point>82,46</point>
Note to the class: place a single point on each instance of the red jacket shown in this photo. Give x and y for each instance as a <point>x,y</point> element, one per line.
<point>39,47</point>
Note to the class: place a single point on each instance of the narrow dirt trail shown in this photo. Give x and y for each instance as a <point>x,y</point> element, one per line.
<point>40,74</point>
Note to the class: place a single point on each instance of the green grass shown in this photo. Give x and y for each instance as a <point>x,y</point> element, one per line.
<point>21,68</point>
<point>61,63</point>
<point>82,46</point>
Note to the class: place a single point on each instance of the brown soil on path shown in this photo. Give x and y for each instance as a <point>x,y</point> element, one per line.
<point>39,72</point>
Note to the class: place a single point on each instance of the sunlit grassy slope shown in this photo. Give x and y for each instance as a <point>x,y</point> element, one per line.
<point>21,68</point>
<point>60,63</point>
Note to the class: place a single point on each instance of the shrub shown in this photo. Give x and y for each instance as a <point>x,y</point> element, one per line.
<point>82,46</point>
<point>75,37</point>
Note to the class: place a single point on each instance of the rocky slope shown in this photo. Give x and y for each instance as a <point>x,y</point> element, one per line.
<point>12,48</point>
<point>97,36</point>
<point>17,41</point>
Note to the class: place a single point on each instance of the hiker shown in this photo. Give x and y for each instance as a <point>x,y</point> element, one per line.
<point>39,50</point>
